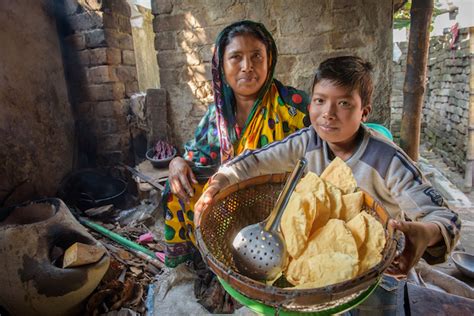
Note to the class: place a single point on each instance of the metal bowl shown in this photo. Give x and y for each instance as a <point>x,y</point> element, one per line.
<point>464,262</point>
<point>159,163</point>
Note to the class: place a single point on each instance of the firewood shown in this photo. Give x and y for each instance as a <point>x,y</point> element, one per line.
<point>80,254</point>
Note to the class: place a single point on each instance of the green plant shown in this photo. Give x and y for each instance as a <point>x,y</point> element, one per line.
<point>401,18</point>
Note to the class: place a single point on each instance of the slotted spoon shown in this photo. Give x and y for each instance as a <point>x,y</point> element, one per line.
<point>259,250</point>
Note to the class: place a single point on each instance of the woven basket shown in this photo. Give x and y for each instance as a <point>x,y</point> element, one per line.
<point>250,202</point>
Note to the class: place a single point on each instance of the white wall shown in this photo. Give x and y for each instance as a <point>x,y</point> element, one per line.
<point>465,18</point>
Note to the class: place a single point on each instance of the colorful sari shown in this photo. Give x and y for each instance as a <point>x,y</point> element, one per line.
<point>277,112</point>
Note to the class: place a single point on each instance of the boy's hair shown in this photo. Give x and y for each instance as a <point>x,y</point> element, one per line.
<point>351,72</point>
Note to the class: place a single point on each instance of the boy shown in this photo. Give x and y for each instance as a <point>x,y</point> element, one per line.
<point>341,101</point>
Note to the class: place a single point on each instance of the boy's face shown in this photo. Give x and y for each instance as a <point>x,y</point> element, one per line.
<point>336,113</point>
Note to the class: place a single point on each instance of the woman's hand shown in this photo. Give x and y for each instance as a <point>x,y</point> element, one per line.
<point>217,183</point>
<point>180,178</point>
<point>418,237</point>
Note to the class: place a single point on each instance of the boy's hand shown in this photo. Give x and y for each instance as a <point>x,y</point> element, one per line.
<point>418,237</point>
<point>207,198</point>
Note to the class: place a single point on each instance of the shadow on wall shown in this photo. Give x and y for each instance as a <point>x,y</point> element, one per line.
<point>185,72</point>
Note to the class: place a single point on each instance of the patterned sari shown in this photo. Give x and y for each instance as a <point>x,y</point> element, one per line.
<point>277,112</point>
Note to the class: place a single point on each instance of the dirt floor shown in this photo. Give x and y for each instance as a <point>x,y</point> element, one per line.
<point>451,184</point>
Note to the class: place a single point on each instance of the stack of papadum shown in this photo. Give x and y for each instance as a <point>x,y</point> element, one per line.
<point>328,238</point>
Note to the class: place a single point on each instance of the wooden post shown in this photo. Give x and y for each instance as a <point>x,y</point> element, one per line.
<point>415,76</point>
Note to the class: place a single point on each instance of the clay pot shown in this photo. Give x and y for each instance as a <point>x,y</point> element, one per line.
<point>31,284</point>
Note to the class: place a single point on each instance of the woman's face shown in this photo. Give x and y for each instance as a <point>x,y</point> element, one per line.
<point>245,65</point>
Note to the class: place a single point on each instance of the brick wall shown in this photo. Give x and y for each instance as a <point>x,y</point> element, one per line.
<point>102,75</point>
<point>446,102</point>
<point>306,32</point>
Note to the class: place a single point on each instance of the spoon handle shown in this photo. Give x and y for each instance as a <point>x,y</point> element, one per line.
<point>275,216</point>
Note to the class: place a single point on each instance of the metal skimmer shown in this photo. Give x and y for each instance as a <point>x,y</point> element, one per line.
<point>259,250</point>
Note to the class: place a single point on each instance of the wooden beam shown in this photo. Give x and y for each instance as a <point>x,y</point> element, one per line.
<point>415,76</point>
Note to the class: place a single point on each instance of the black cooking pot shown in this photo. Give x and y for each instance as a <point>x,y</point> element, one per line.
<point>88,188</point>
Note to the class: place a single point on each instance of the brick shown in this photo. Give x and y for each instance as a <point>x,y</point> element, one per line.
<point>156,104</point>
<point>110,158</point>
<point>107,109</point>
<point>84,108</point>
<point>131,88</point>
<point>70,7</point>
<point>168,59</point>
<point>76,41</point>
<point>102,74</point>
<point>105,56</point>
<point>206,53</point>
<point>95,38</point>
<point>198,73</point>
<point>169,77</point>
<point>117,22</point>
<point>83,57</point>
<point>128,57</point>
<point>126,73</point>
<point>116,7</point>
<point>86,21</point>
<point>110,142</point>
<point>118,39</point>
<point>161,7</point>
<point>107,126</point>
<point>165,41</point>
<point>106,91</point>
<point>163,23</point>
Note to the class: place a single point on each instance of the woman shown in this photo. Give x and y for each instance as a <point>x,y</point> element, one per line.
<point>251,110</point>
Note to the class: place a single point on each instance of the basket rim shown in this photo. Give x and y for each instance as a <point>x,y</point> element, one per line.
<point>334,291</point>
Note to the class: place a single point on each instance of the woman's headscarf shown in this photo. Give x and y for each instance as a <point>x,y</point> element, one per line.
<point>277,112</point>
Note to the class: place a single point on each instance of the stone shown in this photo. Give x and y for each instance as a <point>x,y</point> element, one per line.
<point>83,57</point>
<point>171,59</point>
<point>86,21</point>
<point>169,77</point>
<point>294,45</point>
<point>102,74</point>
<point>76,41</point>
<point>105,56</point>
<point>111,158</point>
<point>131,88</point>
<point>118,39</point>
<point>70,7</point>
<point>108,109</point>
<point>165,41</point>
<point>285,64</point>
<point>117,7</point>
<point>110,142</point>
<point>156,103</point>
<point>117,22</point>
<point>162,23</point>
<point>198,73</point>
<point>95,38</point>
<point>128,57</point>
<point>161,7</point>
<point>126,73</point>
<point>106,91</point>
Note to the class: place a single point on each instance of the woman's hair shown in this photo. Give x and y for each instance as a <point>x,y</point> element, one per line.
<point>257,30</point>
<point>351,72</point>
